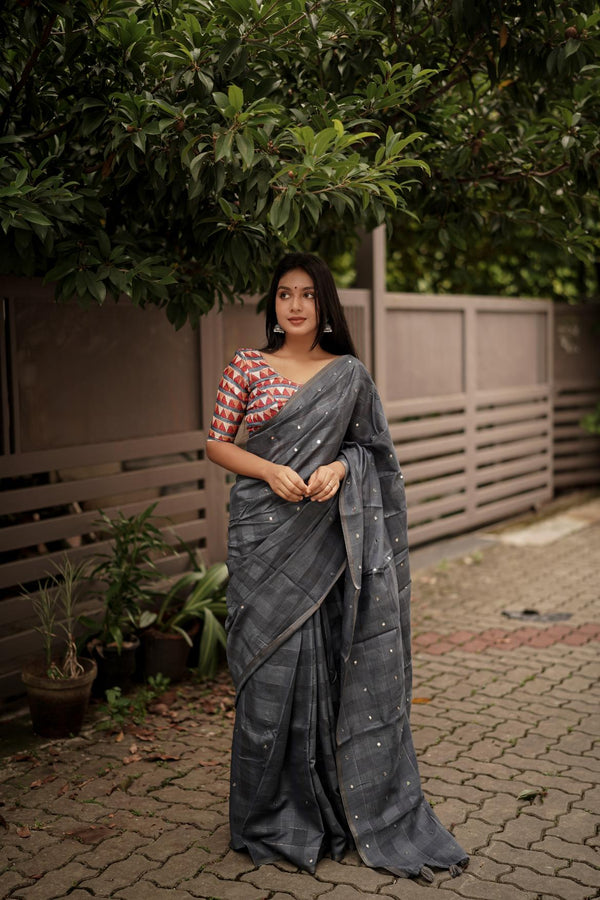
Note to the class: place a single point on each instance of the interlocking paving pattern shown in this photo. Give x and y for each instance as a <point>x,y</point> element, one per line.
<point>506,722</point>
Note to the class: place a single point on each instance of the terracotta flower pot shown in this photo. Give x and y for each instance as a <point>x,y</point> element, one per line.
<point>114,669</point>
<point>58,705</point>
<point>166,653</point>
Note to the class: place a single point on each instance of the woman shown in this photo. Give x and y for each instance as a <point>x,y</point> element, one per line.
<point>318,599</point>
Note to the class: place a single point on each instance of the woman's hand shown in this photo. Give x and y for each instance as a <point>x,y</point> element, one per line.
<point>286,483</point>
<point>324,482</point>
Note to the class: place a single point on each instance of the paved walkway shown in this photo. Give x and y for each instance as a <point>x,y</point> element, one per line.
<point>506,723</point>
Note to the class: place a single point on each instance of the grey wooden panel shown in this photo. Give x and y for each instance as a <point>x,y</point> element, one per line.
<point>80,489</point>
<point>435,426</point>
<point>511,487</point>
<point>497,435</point>
<point>500,509</point>
<point>431,448</point>
<point>433,468</point>
<point>577,477</point>
<point>435,488</point>
<point>513,413</point>
<point>511,450</point>
<point>430,531</point>
<point>96,454</point>
<point>522,393</point>
<point>397,409</point>
<point>419,512</point>
<point>589,441</point>
<point>500,471</point>
<point>68,526</point>
<point>22,571</point>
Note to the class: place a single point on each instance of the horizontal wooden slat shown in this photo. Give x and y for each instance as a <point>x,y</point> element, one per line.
<point>566,388</point>
<point>435,488</point>
<point>396,409</point>
<point>522,394</point>
<point>68,526</point>
<point>569,415</point>
<point>430,427</point>
<point>425,302</point>
<point>588,443</point>
<point>432,468</point>
<point>567,431</point>
<point>430,448</point>
<point>579,461</point>
<point>95,454</point>
<point>494,512</point>
<point>420,512</point>
<point>28,642</point>
<point>511,432</point>
<point>490,474</point>
<point>11,688</point>
<point>579,477</point>
<point>512,450</point>
<point>19,609</point>
<point>419,534</point>
<point>510,487</point>
<point>22,571</point>
<point>80,490</point>
<point>513,413</point>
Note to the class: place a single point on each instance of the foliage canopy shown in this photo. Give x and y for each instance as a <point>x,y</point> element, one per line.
<point>172,150</point>
<point>513,142</point>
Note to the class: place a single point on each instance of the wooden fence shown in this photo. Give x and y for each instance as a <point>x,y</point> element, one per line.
<point>107,409</point>
<point>576,393</point>
<point>467,390</point>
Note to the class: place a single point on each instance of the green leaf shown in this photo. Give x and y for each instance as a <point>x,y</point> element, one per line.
<point>236,97</point>
<point>280,211</point>
<point>223,146</point>
<point>36,216</point>
<point>246,147</point>
<point>571,47</point>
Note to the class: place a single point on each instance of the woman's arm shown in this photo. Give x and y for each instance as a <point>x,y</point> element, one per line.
<point>286,483</point>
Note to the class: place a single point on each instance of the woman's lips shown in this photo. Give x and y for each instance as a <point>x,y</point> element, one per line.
<point>296,321</point>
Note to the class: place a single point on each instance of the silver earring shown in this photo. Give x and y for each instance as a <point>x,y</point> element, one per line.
<point>277,329</point>
<point>328,329</point>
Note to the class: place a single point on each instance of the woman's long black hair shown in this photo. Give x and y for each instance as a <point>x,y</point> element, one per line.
<point>329,308</point>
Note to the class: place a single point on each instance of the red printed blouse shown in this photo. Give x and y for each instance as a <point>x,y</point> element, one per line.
<point>249,388</point>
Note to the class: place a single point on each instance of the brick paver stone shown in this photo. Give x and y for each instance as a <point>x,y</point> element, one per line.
<point>504,707</point>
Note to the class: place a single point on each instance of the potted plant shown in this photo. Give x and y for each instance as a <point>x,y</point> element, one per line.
<point>124,572</point>
<point>195,600</point>
<point>59,685</point>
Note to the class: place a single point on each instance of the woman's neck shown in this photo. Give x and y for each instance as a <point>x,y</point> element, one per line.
<point>299,348</point>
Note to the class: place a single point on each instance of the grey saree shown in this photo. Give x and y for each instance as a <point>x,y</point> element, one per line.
<point>319,646</point>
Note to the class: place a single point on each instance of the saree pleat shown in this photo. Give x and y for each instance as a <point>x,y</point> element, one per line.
<point>319,646</point>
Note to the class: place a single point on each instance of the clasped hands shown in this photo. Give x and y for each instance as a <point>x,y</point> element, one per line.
<point>322,484</point>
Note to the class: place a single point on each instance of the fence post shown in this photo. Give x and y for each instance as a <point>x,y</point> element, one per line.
<point>211,362</point>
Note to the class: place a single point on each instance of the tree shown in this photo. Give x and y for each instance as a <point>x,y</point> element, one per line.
<point>171,150</point>
<point>513,146</point>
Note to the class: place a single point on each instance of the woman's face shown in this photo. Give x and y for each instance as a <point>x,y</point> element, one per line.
<point>296,304</point>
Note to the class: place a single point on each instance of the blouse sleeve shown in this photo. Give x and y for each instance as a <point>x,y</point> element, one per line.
<point>232,398</point>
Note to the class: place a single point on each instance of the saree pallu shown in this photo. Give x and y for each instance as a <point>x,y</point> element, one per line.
<point>319,645</point>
